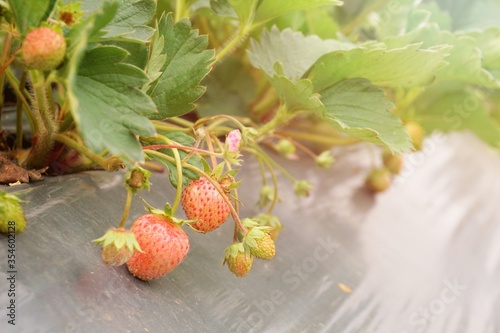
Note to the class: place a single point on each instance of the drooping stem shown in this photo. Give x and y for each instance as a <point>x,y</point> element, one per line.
<point>178,193</point>
<point>180,10</point>
<point>126,210</point>
<point>280,118</point>
<point>320,138</point>
<point>110,164</point>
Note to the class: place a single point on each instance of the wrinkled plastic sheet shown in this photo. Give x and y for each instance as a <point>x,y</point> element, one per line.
<point>422,257</point>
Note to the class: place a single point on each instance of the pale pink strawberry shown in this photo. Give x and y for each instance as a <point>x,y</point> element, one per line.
<point>203,204</point>
<point>43,49</point>
<point>164,245</point>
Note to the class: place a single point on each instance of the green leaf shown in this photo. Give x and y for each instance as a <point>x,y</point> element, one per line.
<point>297,96</point>
<point>245,9</point>
<point>269,9</point>
<point>230,90</point>
<point>465,59</point>
<point>130,21</point>
<point>138,53</point>
<point>357,107</point>
<point>295,52</point>
<point>457,108</point>
<point>403,67</point>
<point>29,13</point>
<point>187,63</point>
<point>157,57</point>
<point>107,104</point>
<point>223,8</point>
<point>488,41</point>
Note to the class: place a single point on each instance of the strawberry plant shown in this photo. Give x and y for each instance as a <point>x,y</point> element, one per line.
<point>196,87</point>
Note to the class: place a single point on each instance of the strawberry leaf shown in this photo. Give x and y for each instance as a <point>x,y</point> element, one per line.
<point>107,104</point>
<point>244,9</point>
<point>231,90</point>
<point>130,22</point>
<point>357,107</point>
<point>295,52</point>
<point>447,109</point>
<point>29,14</point>
<point>187,63</point>
<point>465,62</point>
<point>269,9</point>
<point>297,96</point>
<point>403,67</point>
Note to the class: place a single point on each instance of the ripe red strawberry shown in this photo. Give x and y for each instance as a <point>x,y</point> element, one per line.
<point>205,205</point>
<point>165,246</point>
<point>238,260</point>
<point>43,49</point>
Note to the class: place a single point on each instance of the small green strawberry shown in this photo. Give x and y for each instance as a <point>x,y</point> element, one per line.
<point>238,260</point>
<point>205,205</point>
<point>258,240</point>
<point>325,160</point>
<point>416,133</point>
<point>43,49</point>
<point>11,214</point>
<point>164,243</point>
<point>302,188</point>
<point>393,162</point>
<point>378,180</point>
<point>286,148</point>
<point>118,246</point>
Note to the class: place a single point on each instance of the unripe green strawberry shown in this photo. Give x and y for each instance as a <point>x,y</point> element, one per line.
<point>205,205</point>
<point>265,248</point>
<point>393,162</point>
<point>11,214</point>
<point>259,241</point>
<point>378,180</point>
<point>43,49</point>
<point>238,260</point>
<point>118,246</point>
<point>416,133</point>
<point>164,243</point>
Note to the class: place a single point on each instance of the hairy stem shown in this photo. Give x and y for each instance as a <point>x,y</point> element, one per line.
<point>110,164</point>
<point>126,210</point>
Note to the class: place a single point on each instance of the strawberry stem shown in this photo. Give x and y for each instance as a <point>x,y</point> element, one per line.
<point>44,117</point>
<point>126,210</point>
<point>178,193</point>
<point>109,164</point>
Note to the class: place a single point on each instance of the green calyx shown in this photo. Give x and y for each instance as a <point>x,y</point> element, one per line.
<point>118,246</point>
<point>138,179</point>
<point>119,238</point>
